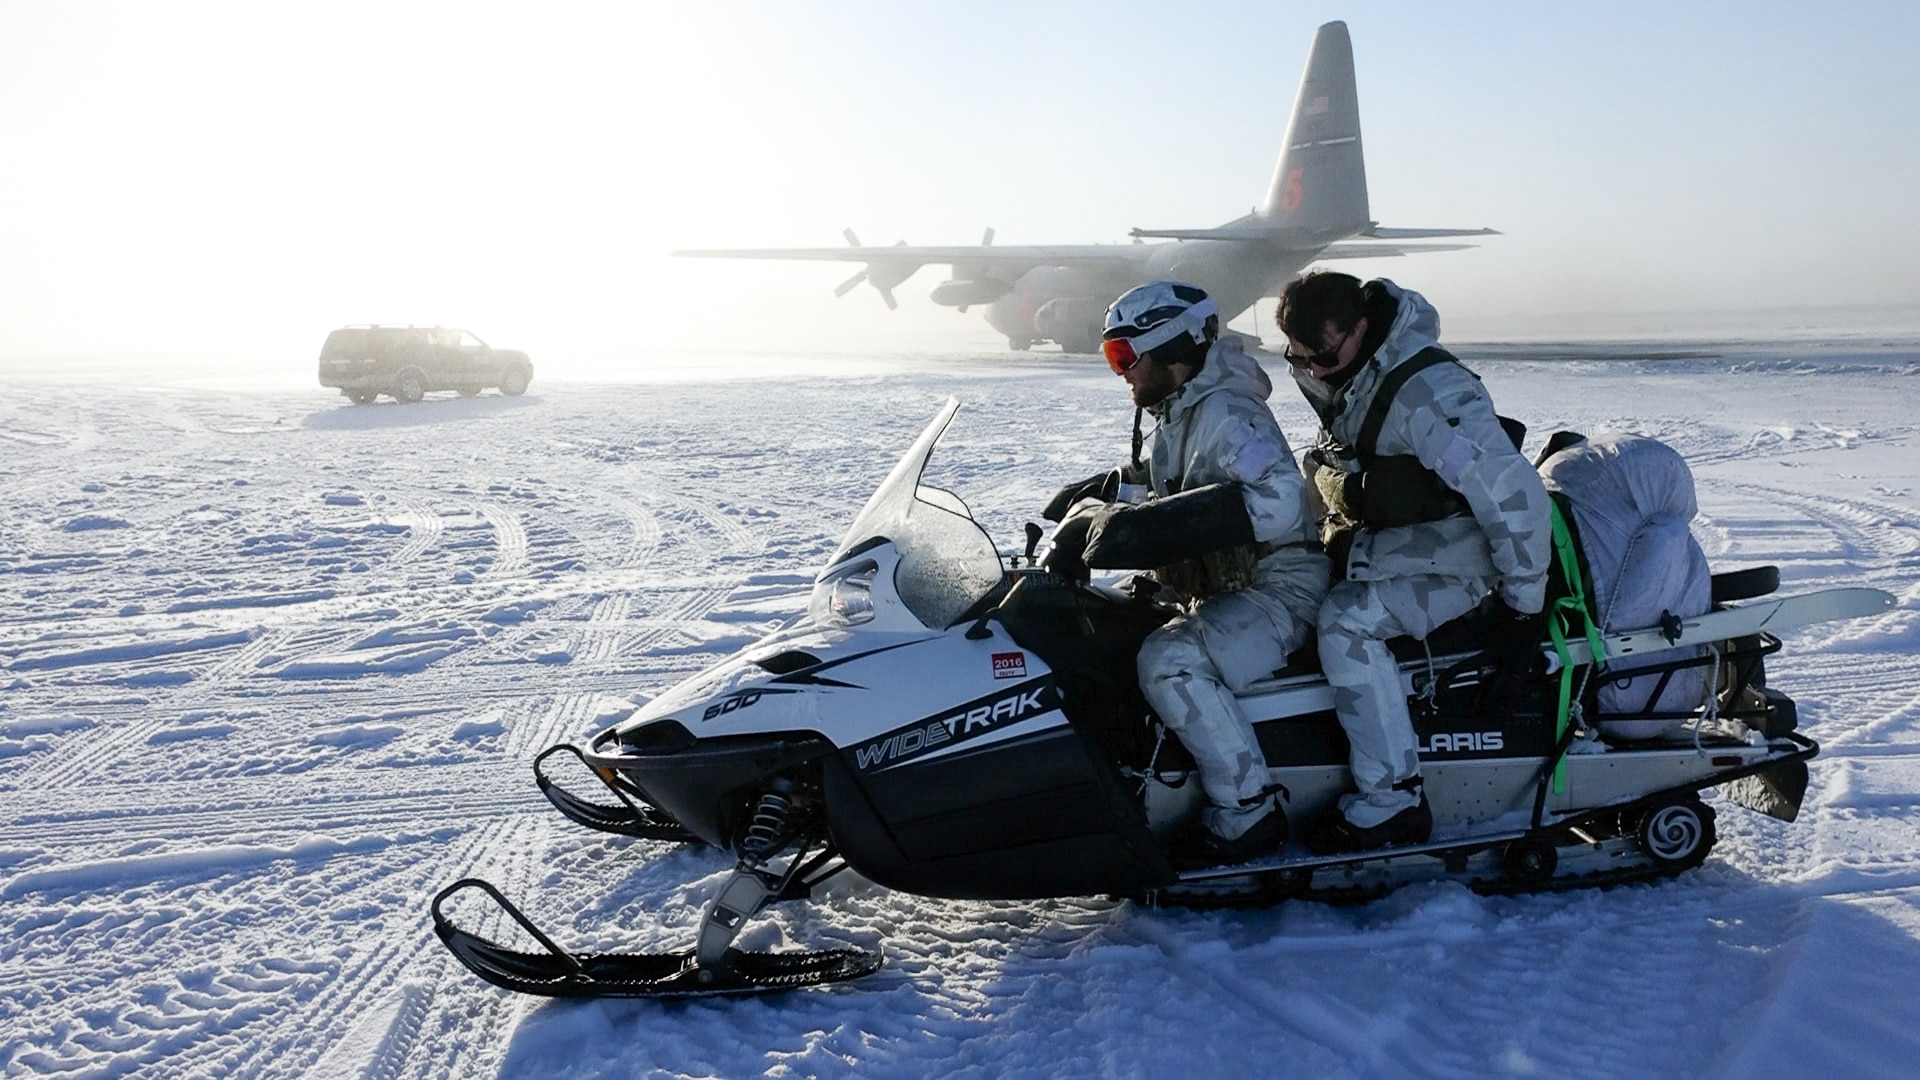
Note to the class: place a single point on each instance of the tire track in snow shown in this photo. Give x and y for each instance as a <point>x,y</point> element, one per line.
<point>1856,698</point>
<point>1326,1023</point>
<point>509,536</point>
<point>482,798</point>
<point>739,539</point>
<point>471,1038</point>
<point>332,996</point>
<point>645,541</point>
<point>465,1033</point>
<point>89,750</point>
<point>398,1035</point>
<point>565,718</point>
<point>107,744</point>
<point>1881,532</point>
<point>424,526</point>
<point>600,638</point>
<point>693,607</point>
<point>1766,443</point>
<point>297,1039</point>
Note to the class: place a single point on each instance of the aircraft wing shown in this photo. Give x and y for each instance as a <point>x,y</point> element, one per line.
<point>1007,258</point>
<point>1384,251</point>
<point>1379,233</point>
<point>1290,237</point>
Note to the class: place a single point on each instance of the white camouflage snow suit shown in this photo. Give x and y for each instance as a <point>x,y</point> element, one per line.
<point>1409,579</point>
<point>1218,429</point>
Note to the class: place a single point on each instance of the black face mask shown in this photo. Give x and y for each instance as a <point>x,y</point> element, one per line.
<point>1345,375</point>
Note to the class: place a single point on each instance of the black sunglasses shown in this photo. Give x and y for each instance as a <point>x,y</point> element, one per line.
<point>1324,358</point>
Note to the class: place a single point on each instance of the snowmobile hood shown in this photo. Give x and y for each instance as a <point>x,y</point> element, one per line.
<point>776,677</point>
<point>1228,367</point>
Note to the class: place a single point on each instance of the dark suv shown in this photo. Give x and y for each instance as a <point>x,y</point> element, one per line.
<point>404,362</point>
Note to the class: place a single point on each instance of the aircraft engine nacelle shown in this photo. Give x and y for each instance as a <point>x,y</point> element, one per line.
<point>1073,321</point>
<point>962,293</point>
<point>886,274</point>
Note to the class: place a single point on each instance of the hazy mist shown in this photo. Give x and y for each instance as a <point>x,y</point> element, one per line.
<point>238,179</point>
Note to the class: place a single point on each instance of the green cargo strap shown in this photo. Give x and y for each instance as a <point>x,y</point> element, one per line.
<point>1559,620</point>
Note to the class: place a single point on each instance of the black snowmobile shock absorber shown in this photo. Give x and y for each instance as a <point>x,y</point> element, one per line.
<point>771,826</point>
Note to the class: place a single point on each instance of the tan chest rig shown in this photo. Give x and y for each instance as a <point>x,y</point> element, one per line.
<point>1188,582</point>
<point>1213,574</point>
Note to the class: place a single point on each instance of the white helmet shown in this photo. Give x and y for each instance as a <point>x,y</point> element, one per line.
<point>1153,314</point>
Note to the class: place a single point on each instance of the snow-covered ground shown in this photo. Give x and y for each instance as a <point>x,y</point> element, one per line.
<point>275,666</point>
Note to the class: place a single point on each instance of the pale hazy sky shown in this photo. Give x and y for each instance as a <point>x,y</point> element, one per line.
<point>184,176</point>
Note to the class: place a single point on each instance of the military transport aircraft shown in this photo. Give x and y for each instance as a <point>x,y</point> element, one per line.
<point>1035,294</point>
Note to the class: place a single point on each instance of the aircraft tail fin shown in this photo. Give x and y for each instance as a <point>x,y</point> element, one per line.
<point>1320,182</point>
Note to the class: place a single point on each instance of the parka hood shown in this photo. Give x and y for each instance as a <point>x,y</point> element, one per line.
<point>1228,367</point>
<point>1416,325</point>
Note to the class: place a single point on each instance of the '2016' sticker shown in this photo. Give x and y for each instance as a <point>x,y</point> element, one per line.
<point>1009,665</point>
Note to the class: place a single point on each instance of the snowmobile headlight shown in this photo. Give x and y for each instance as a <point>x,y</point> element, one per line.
<point>657,737</point>
<point>846,599</point>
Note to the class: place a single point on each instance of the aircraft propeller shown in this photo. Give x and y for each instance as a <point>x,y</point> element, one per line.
<point>986,240</point>
<point>883,274</point>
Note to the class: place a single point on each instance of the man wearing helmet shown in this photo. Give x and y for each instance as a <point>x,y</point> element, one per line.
<point>1432,509</point>
<point>1221,518</point>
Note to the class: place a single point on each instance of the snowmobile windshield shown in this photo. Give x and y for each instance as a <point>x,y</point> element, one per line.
<point>947,561</point>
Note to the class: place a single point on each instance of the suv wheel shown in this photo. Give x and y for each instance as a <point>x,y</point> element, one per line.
<point>409,385</point>
<point>361,397</point>
<point>514,380</point>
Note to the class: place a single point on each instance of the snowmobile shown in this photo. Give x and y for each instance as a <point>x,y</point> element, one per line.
<point>953,728</point>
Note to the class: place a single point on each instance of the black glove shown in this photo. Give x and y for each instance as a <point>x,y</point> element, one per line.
<point>1513,652</point>
<point>1163,531</point>
<point>1339,547</point>
<point>1066,554</point>
<point>1103,486</point>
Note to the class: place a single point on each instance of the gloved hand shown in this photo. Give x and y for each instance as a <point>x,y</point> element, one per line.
<point>1339,546</point>
<point>1066,553</point>
<point>1102,486</point>
<point>1513,651</point>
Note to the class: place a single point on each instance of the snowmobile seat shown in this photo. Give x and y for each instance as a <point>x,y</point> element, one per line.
<point>1304,660</point>
<point>1462,635</point>
<point>1468,633</point>
<point>1745,584</point>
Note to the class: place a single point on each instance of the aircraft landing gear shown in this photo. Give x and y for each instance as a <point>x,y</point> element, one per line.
<point>1084,342</point>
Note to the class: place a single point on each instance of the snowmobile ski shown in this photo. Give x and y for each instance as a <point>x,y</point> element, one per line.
<point>1760,616</point>
<point>633,817</point>
<point>712,969</point>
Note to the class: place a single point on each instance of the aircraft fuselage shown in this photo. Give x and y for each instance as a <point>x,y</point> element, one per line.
<point>1068,304</point>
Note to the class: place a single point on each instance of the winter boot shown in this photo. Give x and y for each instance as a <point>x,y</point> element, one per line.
<point>1201,846</point>
<point>1330,833</point>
